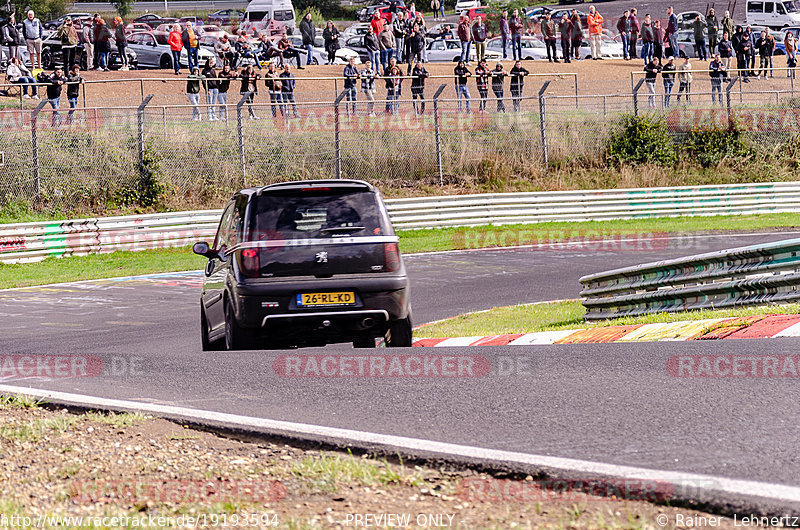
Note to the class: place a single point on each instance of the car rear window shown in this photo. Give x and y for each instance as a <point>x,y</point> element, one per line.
<point>317,214</point>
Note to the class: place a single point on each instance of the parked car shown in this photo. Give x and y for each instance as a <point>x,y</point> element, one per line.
<point>152,50</point>
<point>463,5</point>
<point>196,21</point>
<point>558,13</point>
<point>476,12</point>
<point>532,48</point>
<point>52,56</point>
<point>153,20</point>
<point>212,30</point>
<point>54,24</point>
<point>135,27</point>
<point>686,19</point>
<point>365,13</point>
<point>775,14</point>
<point>320,56</point>
<point>359,28</point>
<point>304,263</point>
<point>225,17</point>
<point>449,50</point>
<point>537,13</point>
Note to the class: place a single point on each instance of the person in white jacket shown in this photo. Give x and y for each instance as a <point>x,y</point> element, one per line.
<point>19,75</point>
<point>685,80</point>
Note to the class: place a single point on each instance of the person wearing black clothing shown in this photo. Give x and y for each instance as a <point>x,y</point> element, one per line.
<point>309,32</point>
<point>549,34</point>
<point>287,91</point>
<point>416,43</point>
<point>224,84</point>
<point>725,50</point>
<point>565,30</point>
<point>498,76</point>
<point>651,70</point>
<point>10,37</point>
<point>658,40</point>
<point>419,74</point>
<point>74,81</point>
<point>211,84</point>
<point>751,58</point>
<point>518,74</point>
<point>482,75</point>
<point>331,37</point>
<point>743,48</point>
<point>717,73</point>
<point>249,86</point>
<point>55,83</point>
<point>668,77</point>
<point>462,90</point>
<point>373,49</point>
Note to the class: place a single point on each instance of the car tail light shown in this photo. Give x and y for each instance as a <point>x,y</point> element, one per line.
<point>250,264</point>
<point>391,257</point>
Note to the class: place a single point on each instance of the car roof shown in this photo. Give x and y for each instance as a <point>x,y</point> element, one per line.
<point>338,184</point>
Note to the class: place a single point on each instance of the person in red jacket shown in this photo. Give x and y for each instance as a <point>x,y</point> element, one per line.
<point>175,46</point>
<point>377,23</point>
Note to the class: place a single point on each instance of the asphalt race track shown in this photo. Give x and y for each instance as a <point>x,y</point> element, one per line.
<point>609,403</point>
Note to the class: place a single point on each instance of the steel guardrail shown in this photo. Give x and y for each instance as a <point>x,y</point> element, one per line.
<point>35,241</point>
<point>754,275</point>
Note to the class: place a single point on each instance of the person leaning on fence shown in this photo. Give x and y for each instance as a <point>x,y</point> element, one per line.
<point>33,30</point>
<point>224,85</point>
<point>193,91</point>
<point>175,47</point>
<point>498,76</point>
<point>790,43</point>
<point>717,72</point>
<point>55,83</point>
<point>368,75</point>
<point>272,82</point>
<point>461,74</point>
<point>712,28</point>
<point>668,77</point>
<point>595,22</point>
<point>516,25</point>
<point>394,86</point>
<point>699,32</point>
<point>287,92</point>
<point>576,33</point>
<point>351,75</point>
<point>725,50</point>
<point>418,76</point>
<point>651,70</point>
<point>309,33</point>
<point>565,31</point>
<point>249,87</point>
<point>518,74</point>
<point>685,80</point>
<point>482,76</point>
<point>211,85</point>
<point>636,29</point>
<point>19,74</point>
<point>10,37</point>
<point>74,81</point>
<point>331,37</point>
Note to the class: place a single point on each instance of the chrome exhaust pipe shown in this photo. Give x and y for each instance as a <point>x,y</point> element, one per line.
<point>367,322</point>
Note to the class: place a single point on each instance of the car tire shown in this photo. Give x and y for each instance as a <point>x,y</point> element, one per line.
<point>364,342</point>
<point>236,337</point>
<point>314,61</point>
<point>207,344</point>
<point>400,333</point>
<point>47,59</point>
<point>165,62</point>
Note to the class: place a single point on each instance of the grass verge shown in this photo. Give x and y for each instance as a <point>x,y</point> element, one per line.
<point>528,318</point>
<point>652,234</point>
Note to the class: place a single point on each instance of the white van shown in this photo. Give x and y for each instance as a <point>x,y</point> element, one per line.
<point>260,12</point>
<point>776,14</point>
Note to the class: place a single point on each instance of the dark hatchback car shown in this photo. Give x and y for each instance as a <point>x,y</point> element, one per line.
<point>304,264</point>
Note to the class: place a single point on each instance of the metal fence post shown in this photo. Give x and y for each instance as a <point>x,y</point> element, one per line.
<point>438,132</point>
<point>37,187</point>
<point>140,132</point>
<point>336,134</point>
<point>240,134</point>
<point>542,116</point>
<point>636,96</point>
<point>728,89</point>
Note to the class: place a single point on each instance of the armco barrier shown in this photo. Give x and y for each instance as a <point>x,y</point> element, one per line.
<point>36,241</point>
<point>755,275</point>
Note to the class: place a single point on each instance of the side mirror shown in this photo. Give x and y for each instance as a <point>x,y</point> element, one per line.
<point>202,249</point>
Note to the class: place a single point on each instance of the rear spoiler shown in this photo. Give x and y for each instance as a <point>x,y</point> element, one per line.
<point>316,185</point>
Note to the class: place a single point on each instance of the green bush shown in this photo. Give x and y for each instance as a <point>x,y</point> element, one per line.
<point>642,140</point>
<point>711,146</point>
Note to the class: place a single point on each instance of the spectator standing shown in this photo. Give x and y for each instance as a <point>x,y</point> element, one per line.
<point>565,30</point>
<point>651,70</point>
<point>33,30</point>
<point>751,61</point>
<point>224,85</point>
<point>55,83</point>
<point>408,25</point>
<point>505,33</point>
<point>549,35</point>
<point>224,50</point>
<point>309,33</point>
<point>399,30</point>
<point>377,23</point>
<point>636,30</point>
<point>624,29</point>
<point>368,76</point>
<point>249,87</point>
<point>102,44</point>
<point>685,80</point>
<point>87,38</point>
<point>191,41</point>
<point>416,45</point>
<point>351,76</point>
<point>330,35</point>
<point>670,34</point>
<point>658,41</point>
<point>498,80</point>
<point>272,82</point>
<point>725,49</point>
<point>465,36</point>
<point>712,28</point>
<point>10,36</point>
<point>393,77</point>
<point>418,76</point>
<point>770,50</point>
<point>438,9</point>
<point>518,74</point>
<point>19,74</point>
<point>462,90</point>
<point>211,84</point>
<point>647,39</point>
<point>386,43</point>
<point>479,37</point>
<point>516,26</point>
<point>74,81</point>
<point>373,49</point>
<point>595,22</point>
<point>69,41</point>
<point>743,47</point>
<point>699,31</point>
<point>576,33</point>
<point>717,73</point>
<point>175,46</point>
<point>482,75</point>
<point>764,54</point>
<point>727,23</point>
<point>668,77</point>
<point>193,92</point>
<point>122,43</point>
<point>287,91</point>
<point>790,43</point>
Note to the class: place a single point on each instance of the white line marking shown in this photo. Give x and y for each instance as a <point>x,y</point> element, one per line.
<point>688,482</point>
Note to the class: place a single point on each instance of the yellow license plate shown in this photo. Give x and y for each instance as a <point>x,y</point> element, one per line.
<point>313,299</point>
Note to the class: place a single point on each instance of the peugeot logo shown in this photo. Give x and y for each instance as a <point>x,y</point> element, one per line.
<point>322,257</point>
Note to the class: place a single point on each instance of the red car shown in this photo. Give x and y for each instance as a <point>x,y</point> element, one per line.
<point>476,12</point>
<point>387,16</point>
